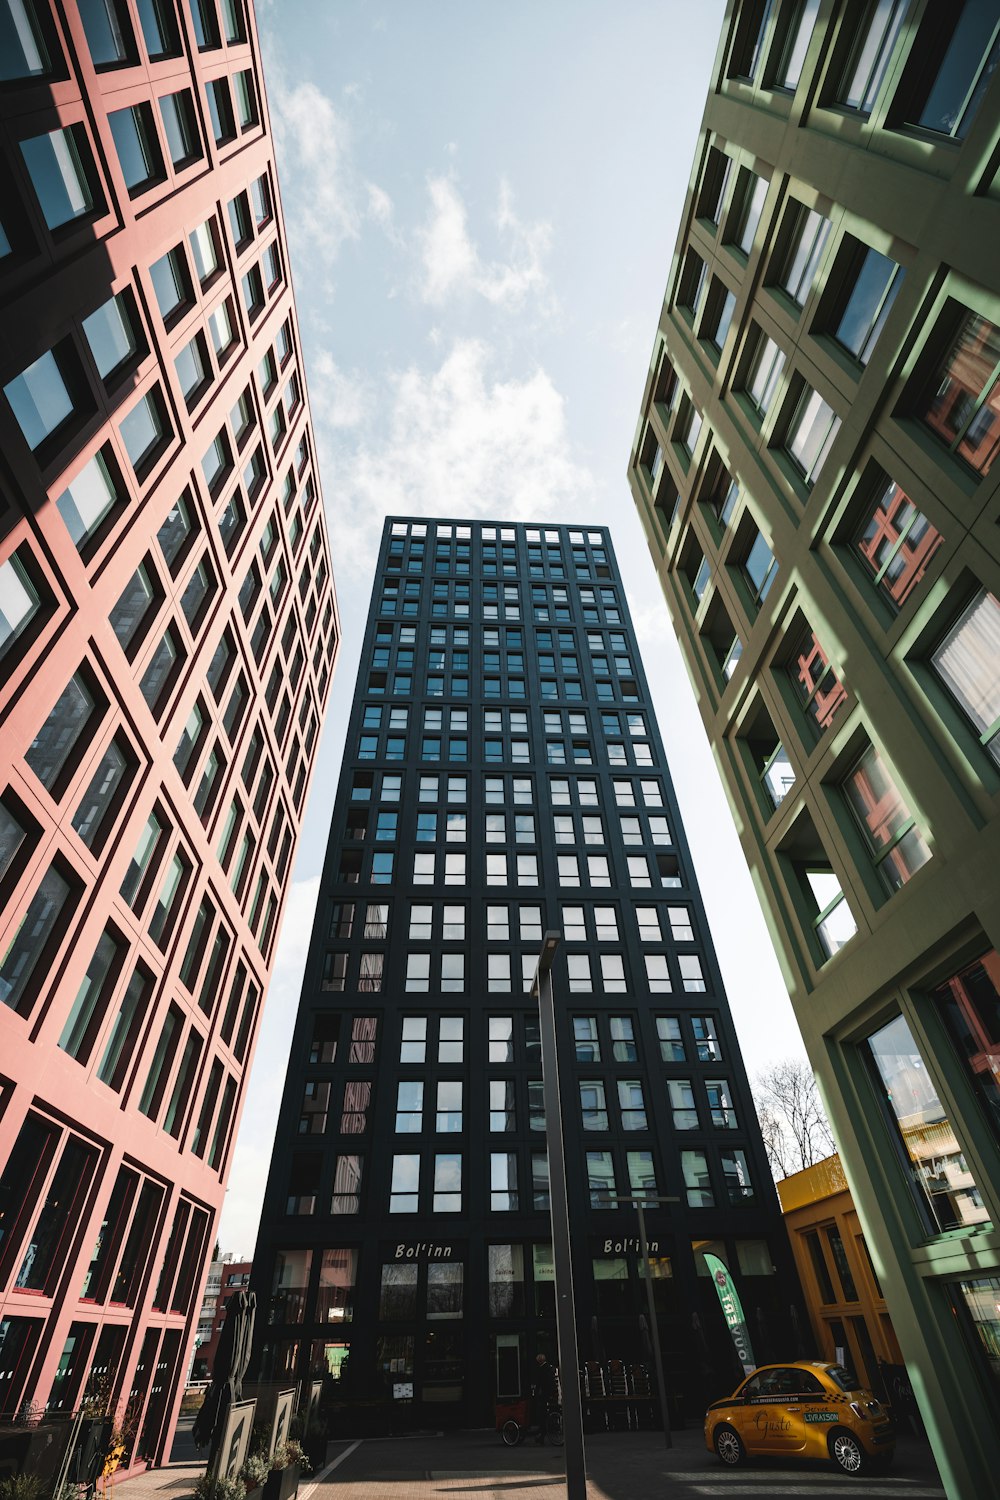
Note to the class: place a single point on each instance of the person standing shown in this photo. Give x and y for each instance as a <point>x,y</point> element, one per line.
<point>543,1393</point>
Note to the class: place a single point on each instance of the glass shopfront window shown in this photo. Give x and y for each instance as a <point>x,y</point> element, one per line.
<point>943,1184</point>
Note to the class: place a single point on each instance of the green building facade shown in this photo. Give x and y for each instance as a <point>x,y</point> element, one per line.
<point>816,467</point>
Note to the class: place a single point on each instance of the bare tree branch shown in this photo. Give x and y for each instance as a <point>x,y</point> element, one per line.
<point>792,1120</point>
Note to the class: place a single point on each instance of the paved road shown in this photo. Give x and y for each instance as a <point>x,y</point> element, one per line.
<point>620,1466</point>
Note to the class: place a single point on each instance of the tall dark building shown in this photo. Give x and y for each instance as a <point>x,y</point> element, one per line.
<point>815,468</point>
<point>503,775</point>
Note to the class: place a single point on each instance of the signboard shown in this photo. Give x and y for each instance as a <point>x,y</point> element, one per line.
<point>281,1421</point>
<point>235,1443</point>
<point>402,1390</point>
<point>732,1311</point>
<point>421,1250</point>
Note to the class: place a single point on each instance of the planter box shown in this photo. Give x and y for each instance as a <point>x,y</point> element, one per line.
<point>282,1484</point>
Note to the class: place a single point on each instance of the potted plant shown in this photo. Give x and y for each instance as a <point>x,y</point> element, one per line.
<point>254,1474</point>
<point>20,1487</point>
<point>211,1487</point>
<point>288,1463</point>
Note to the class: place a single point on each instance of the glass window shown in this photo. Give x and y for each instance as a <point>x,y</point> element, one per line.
<point>961,404</point>
<point>760,568</point>
<point>940,1178</point>
<point>55,164</point>
<point>753,191</point>
<point>447,1184</point>
<point>668,1031</point>
<point>102,794</point>
<point>206,257</point>
<point>203,19</point>
<point>88,499</point>
<point>134,135</point>
<point>40,399</point>
<point>220,111</point>
<point>159,27</point>
<point>765,374</point>
<point>965,661</point>
<point>170,282</point>
<point>811,433</point>
<point>697,1183</point>
<point>816,684</point>
<point>601,1179</point>
<point>180,128</point>
<point>593,1105</point>
<point>632,1104</point>
<point>896,543</point>
<point>802,262</point>
<point>894,842</point>
<point>59,736</point>
<point>871,53</point>
<point>875,285</point>
<point>796,45</point>
<point>133,606</point>
<point>23,53</point>
<point>143,430</point>
<point>958,50</point>
<point>834,921</point>
<point>969,1003</point>
<point>111,335</point>
<point>32,939</point>
<point>19,602</point>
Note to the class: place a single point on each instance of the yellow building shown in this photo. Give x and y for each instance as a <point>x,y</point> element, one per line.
<point>843,1295</point>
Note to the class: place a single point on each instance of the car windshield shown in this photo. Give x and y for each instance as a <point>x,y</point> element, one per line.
<point>846,1379</point>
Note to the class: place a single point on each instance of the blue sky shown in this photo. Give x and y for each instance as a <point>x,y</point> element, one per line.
<point>481,204</point>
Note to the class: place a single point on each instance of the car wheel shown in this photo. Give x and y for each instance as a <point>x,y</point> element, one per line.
<point>846,1452</point>
<point>729,1446</point>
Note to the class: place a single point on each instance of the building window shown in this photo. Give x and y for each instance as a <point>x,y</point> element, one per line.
<point>44,397</point>
<point>113,336</point>
<point>969,1003</point>
<point>503,1183</point>
<point>346,1197</point>
<point>736,1176</point>
<point>632,1104</point>
<point>719,309</point>
<point>833,921</point>
<point>593,1105</point>
<point>103,796</point>
<point>180,129</point>
<point>171,284</point>
<point>798,33</point>
<point>134,135</point>
<point>58,165</point>
<point>697,1183</point>
<point>764,374</point>
<point>894,842</point>
<point>811,433</point>
<point>706,1039</point>
<point>751,191</point>
<point>816,684</point>
<point>874,283</point>
<point>942,1184</point>
<point>447,1196</point>
<point>680,1093</point>
<point>20,603</point>
<point>896,543</point>
<point>34,938</point>
<point>804,255</point>
<point>203,19</point>
<point>759,567</point>
<point>953,58</point>
<point>601,1179</point>
<point>961,402</point>
<point>144,431</point>
<point>875,40</point>
<point>965,662</point>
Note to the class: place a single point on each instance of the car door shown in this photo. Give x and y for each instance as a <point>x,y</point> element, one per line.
<point>772,1415</point>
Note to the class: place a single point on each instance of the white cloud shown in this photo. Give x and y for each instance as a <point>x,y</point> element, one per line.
<point>457,440</point>
<point>316,145</point>
<point>451,262</point>
<point>337,399</point>
<point>252,1157</point>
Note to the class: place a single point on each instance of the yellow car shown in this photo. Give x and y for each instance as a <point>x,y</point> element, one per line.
<point>808,1409</point>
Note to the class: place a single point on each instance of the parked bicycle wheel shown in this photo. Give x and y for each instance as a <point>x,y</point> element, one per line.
<point>511,1432</point>
<point>554,1428</point>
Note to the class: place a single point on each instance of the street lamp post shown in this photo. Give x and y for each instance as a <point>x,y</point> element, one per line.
<point>562,1261</point>
<point>639,1199</point>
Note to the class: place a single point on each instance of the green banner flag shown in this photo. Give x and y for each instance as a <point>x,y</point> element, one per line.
<point>732,1311</point>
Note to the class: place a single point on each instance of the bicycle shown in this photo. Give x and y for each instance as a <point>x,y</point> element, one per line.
<point>513,1432</point>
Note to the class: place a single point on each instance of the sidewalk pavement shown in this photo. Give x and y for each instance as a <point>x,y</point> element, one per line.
<point>620,1466</point>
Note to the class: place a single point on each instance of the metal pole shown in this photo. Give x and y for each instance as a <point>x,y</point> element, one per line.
<point>657,1357</point>
<point>562,1261</point>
